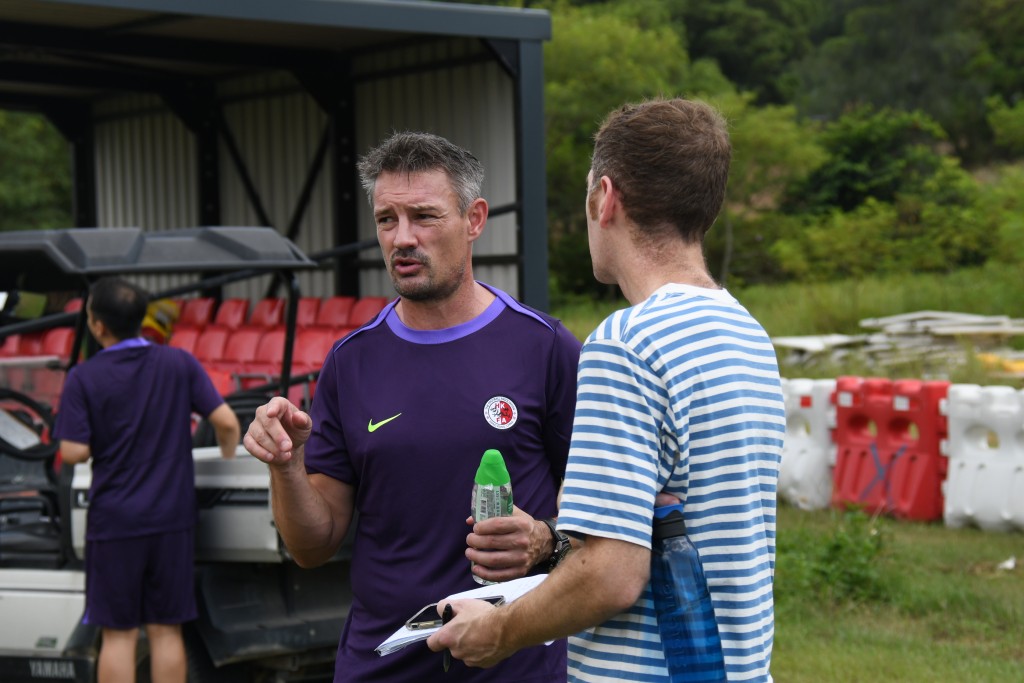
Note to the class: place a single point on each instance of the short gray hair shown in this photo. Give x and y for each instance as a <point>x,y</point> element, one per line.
<point>411,152</point>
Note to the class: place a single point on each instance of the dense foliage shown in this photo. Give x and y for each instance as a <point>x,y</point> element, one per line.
<point>35,174</point>
<point>871,137</point>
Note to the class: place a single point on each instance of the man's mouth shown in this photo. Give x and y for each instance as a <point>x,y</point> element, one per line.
<point>405,266</point>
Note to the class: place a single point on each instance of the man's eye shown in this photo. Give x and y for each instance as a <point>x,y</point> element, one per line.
<point>384,220</point>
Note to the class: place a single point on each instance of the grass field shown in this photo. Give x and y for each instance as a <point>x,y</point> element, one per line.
<point>860,599</point>
<point>827,307</point>
<point>838,307</point>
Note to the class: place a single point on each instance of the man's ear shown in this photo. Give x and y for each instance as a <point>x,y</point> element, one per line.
<point>477,216</point>
<point>610,202</point>
<point>97,328</point>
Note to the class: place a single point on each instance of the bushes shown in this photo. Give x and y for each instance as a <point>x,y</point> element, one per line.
<point>844,566</point>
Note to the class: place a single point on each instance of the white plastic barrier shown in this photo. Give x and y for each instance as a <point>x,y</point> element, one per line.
<point>985,482</point>
<point>805,476</point>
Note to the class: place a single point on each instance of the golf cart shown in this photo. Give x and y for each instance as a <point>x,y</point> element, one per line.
<point>261,617</point>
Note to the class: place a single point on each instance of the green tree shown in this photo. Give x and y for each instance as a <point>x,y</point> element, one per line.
<point>753,41</point>
<point>1001,25</point>
<point>1003,200</point>
<point>1007,124</point>
<point>912,55</point>
<point>772,150</point>
<point>600,57</point>
<point>872,154</point>
<point>35,174</point>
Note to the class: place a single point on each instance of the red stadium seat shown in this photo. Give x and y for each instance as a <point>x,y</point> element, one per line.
<point>334,311</point>
<point>209,349</point>
<point>184,338</point>
<point>58,342</point>
<point>366,309</point>
<point>197,313</point>
<point>231,313</point>
<point>265,365</point>
<point>47,382</point>
<point>209,345</point>
<point>311,348</point>
<point>9,346</point>
<point>267,313</point>
<point>30,344</point>
<point>308,307</point>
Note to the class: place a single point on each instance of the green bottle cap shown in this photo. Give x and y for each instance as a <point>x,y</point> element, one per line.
<point>492,469</point>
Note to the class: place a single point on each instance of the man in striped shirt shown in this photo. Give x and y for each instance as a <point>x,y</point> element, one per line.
<point>678,395</point>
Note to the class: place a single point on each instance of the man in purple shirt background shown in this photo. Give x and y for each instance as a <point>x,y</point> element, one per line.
<point>129,409</point>
<point>404,409</point>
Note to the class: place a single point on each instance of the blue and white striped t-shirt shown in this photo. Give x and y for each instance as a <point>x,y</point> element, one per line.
<point>680,393</point>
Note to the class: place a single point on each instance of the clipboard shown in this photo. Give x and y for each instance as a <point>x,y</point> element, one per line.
<point>510,590</point>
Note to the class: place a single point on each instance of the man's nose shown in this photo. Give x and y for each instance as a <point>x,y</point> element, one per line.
<point>404,234</point>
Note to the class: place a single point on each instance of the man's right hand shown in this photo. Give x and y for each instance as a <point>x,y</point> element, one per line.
<point>278,432</point>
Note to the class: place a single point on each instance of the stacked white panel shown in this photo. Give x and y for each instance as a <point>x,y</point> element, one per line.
<point>808,456</point>
<point>985,482</point>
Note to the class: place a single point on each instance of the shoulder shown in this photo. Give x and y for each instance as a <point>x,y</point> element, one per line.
<point>171,357</point>
<point>531,317</point>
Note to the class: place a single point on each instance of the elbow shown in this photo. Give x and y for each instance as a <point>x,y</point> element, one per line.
<point>307,559</point>
<point>626,595</point>
<point>627,586</point>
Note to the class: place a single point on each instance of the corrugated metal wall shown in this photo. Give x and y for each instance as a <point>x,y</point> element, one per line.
<point>277,128</point>
<point>146,158</point>
<point>145,171</point>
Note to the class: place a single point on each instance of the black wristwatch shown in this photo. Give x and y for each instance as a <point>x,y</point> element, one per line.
<point>562,545</point>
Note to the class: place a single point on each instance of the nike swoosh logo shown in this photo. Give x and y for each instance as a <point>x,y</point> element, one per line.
<point>370,427</point>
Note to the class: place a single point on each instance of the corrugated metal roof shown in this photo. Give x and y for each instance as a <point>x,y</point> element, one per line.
<point>55,49</point>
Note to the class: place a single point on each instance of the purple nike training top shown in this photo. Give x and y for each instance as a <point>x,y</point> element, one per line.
<point>132,404</point>
<point>404,416</point>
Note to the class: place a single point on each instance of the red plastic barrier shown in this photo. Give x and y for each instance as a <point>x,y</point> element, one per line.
<point>888,436</point>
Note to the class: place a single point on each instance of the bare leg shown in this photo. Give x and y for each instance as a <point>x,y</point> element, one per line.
<point>117,656</point>
<point>166,653</point>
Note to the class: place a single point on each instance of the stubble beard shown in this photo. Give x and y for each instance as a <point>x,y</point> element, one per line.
<point>427,287</point>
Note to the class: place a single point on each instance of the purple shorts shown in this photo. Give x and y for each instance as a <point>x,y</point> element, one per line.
<point>145,580</point>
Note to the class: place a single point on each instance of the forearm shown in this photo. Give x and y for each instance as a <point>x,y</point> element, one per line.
<point>311,528</point>
<point>227,440</point>
<point>73,453</point>
<point>226,427</point>
<point>600,579</point>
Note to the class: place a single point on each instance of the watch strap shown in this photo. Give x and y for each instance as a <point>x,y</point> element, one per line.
<point>561,547</point>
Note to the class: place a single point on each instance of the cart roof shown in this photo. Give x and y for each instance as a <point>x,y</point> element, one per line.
<point>46,260</point>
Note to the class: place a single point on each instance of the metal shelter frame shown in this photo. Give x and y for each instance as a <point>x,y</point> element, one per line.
<point>58,57</point>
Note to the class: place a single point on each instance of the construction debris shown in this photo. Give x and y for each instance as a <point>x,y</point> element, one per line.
<point>936,340</point>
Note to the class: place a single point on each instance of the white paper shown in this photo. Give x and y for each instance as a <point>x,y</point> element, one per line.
<point>511,590</point>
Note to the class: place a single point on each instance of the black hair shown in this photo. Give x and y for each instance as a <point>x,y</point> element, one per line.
<point>120,305</point>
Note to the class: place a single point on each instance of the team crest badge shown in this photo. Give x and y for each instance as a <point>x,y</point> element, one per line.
<point>500,412</point>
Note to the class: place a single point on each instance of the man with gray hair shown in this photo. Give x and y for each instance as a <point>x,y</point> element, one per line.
<point>404,408</point>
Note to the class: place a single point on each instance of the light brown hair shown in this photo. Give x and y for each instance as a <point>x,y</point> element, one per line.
<point>669,160</point>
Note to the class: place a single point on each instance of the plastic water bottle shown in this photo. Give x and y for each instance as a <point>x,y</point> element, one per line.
<point>686,618</point>
<point>492,491</point>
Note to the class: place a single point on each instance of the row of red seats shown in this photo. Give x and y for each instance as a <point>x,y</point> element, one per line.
<point>40,381</point>
<point>238,348</point>
<point>333,312</point>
